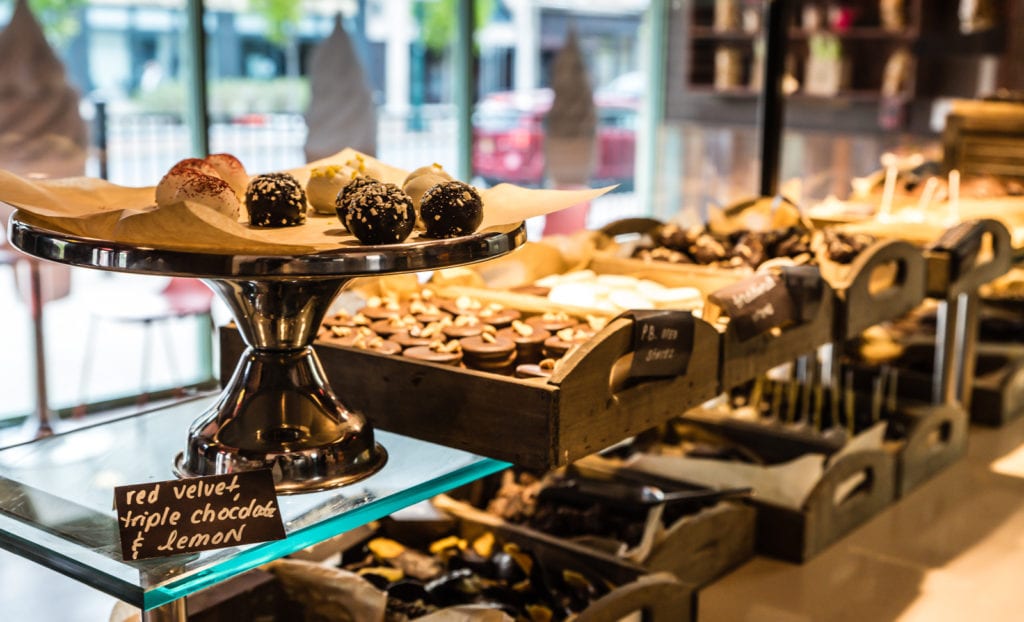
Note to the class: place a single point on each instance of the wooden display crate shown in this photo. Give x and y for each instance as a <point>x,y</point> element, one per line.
<point>538,424</point>
<point>936,438</point>
<point>656,597</point>
<point>697,548</point>
<point>829,512</point>
<point>883,283</point>
<point>997,393</point>
<point>742,359</point>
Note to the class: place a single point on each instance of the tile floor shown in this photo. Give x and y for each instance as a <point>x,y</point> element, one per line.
<point>951,550</point>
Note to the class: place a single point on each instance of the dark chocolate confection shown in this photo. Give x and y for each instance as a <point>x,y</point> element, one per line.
<point>451,209</point>
<point>791,243</point>
<point>275,200</point>
<point>495,354</point>
<point>500,317</point>
<point>529,348</point>
<point>844,247</point>
<point>414,338</point>
<point>433,354</point>
<point>551,322</point>
<point>379,213</point>
<point>341,203</point>
<point>394,324</point>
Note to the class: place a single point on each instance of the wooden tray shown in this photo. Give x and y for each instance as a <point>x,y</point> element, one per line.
<point>742,360</point>
<point>936,438</point>
<point>799,535</point>
<point>865,296</point>
<point>657,597</point>
<point>536,424</point>
<point>698,548</point>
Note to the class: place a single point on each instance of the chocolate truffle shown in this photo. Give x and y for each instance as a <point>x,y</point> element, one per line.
<point>342,201</point>
<point>451,209</point>
<point>275,200</point>
<point>379,213</point>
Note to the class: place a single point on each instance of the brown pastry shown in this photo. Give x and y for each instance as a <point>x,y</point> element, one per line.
<point>420,335</point>
<point>552,321</point>
<point>488,352</point>
<point>449,353</point>
<point>427,312</point>
<point>381,309</point>
<point>394,324</point>
<point>498,316</point>
<point>464,326</point>
<point>463,305</point>
<point>344,318</point>
<point>561,342</point>
<point>529,341</point>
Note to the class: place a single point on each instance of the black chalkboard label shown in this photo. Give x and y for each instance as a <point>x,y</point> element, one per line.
<point>963,242</point>
<point>197,514</point>
<point>756,305</point>
<point>662,343</point>
<point>806,289</point>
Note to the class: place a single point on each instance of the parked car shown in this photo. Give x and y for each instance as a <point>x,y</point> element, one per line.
<point>508,137</point>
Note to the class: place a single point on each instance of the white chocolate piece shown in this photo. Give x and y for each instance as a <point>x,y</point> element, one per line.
<point>325,182</point>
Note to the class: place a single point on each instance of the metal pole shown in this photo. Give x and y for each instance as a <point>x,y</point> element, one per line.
<point>196,62</point>
<point>43,428</point>
<point>101,138</point>
<point>771,104</point>
<point>465,87</point>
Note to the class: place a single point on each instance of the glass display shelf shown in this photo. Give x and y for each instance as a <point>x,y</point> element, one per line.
<point>56,502</point>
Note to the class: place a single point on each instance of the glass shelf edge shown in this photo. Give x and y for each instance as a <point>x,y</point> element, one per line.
<point>259,555</point>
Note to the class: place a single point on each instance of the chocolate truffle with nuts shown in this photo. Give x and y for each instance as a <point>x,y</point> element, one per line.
<point>275,200</point>
<point>451,209</point>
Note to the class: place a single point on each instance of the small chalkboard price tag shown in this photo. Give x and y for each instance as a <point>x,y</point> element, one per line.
<point>662,343</point>
<point>756,305</point>
<point>159,519</point>
<point>963,242</point>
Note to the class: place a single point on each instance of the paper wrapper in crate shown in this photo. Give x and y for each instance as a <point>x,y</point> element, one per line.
<point>803,505</point>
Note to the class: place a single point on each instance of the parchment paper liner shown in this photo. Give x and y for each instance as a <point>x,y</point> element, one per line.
<point>97,209</point>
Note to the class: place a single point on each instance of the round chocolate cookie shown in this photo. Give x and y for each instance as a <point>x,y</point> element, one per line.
<point>443,353</point>
<point>275,200</point>
<point>488,352</point>
<point>551,321</point>
<point>342,201</point>
<point>557,345</point>
<point>394,324</point>
<point>464,326</point>
<point>379,213</point>
<point>451,209</point>
<point>419,336</point>
<point>498,316</point>
<point>529,341</point>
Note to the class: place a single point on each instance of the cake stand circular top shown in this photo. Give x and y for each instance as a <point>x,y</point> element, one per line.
<point>43,242</point>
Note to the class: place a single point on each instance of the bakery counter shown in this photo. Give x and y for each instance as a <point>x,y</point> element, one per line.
<point>56,493</point>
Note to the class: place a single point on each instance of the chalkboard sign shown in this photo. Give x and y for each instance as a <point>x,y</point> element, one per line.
<point>963,242</point>
<point>756,305</point>
<point>159,519</point>
<point>662,343</point>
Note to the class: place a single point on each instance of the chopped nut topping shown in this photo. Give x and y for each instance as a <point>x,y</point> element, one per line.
<point>565,334</point>
<point>488,337</point>
<point>452,346</point>
<point>547,364</point>
<point>466,320</point>
<point>427,294</point>
<point>376,342</point>
<point>489,330</point>
<point>467,303</point>
<point>341,331</point>
<point>359,318</point>
<point>596,323</point>
<point>555,316</point>
<point>374,301</point>
<point>417,306</point>
<point>522,328</point>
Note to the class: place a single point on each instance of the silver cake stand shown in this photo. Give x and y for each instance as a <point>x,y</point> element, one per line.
<point>278,410</point>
